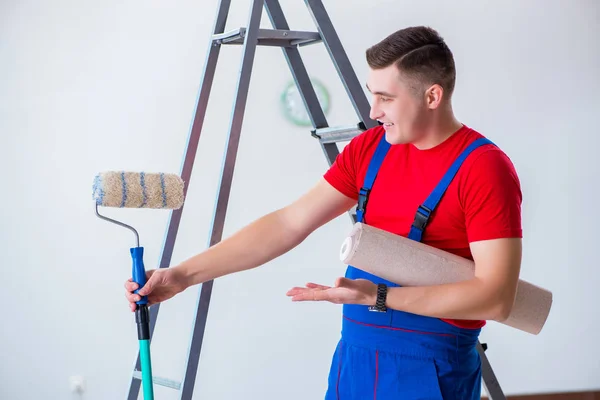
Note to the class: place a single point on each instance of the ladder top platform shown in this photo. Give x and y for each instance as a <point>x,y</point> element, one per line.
<point>269,37</point>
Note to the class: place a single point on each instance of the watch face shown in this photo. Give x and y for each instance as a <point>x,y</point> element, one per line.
<point>293,106</point>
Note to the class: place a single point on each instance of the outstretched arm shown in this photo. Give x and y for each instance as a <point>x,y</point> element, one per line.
<point>270,236</point>
<point>261,241</point>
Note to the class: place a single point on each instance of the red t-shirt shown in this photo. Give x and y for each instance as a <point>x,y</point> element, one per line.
<point>482,202</point>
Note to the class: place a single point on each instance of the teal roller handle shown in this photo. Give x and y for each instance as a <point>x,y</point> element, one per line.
<point>146,370</point>
<point>142,318</point>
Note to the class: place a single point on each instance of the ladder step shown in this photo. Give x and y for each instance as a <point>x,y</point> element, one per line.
<point>269,37</point>
<point>337,134</point>
<point>159,381</point>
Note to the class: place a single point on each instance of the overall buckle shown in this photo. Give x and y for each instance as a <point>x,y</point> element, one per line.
<point>421,217</point>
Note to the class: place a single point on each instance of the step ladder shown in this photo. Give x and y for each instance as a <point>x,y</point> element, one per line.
<point>249,37</point>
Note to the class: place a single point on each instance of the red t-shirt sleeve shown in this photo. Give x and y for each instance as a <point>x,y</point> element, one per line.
<point>492,198</point>
<point>342,173</point>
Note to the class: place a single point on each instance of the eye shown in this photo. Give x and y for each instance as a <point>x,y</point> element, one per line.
<point>384,99</point>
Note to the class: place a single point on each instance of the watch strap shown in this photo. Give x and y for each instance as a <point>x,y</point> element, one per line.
<point>381,299</point>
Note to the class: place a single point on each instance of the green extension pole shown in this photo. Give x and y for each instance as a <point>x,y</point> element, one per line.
<point>142,319</point>
<point>146,369</point>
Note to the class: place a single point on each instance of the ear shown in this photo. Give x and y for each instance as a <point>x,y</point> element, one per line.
<point>433,96</point>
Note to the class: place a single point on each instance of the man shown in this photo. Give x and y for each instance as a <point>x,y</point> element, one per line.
<point>397,342</point>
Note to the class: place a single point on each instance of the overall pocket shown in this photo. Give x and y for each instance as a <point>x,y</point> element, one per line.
<point>412,379</point>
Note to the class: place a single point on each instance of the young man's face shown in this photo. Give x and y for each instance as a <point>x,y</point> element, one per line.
<point>403,111</point>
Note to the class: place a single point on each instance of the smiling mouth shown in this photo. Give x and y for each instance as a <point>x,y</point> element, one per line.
<point>386,123</point>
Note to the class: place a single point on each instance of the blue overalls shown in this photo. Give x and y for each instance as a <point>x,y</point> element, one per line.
<point>398,355</point>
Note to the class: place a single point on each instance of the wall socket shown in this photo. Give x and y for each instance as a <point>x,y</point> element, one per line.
<point>77,383</point>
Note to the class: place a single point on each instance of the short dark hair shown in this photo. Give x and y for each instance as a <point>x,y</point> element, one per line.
<point>419,53</point>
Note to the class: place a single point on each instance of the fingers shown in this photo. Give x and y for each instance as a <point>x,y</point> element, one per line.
<point>295,290</point>
<point>144,291</point>
<point>309,288</point>
<point>345,291</point>
<point>303,292</point>
<point>300,292</point>
<point>132,298</point>
<point>316,286</point>
<point>130,286</point>
<point>147,288</point>
<point>311,295</point>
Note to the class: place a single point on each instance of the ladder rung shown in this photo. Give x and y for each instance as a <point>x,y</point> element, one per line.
<point>159,381</point>
<point>269,37</point>
<point>337,134</point>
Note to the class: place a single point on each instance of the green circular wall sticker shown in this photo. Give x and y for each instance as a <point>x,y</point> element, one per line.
<point>293,106</point>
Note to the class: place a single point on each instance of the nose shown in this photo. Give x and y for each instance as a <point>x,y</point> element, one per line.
<point>376,112</point>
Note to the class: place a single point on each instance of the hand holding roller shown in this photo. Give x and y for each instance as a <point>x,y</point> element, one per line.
<point>411,263</point>
<point>139,190</point>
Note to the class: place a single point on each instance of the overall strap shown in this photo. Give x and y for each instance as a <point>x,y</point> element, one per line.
<point>426,209</point>
<point>363,193</point>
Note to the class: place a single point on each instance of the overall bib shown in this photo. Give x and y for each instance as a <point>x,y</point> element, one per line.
<point>398,355</point>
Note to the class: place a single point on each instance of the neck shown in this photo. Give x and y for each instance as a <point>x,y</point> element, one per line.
<point>437,130</point>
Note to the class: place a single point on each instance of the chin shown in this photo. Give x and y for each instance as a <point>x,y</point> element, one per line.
<point>395,138</point>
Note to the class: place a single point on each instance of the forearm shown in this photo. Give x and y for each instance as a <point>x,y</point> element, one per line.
<point>259,242</point>
<point>470,300</point>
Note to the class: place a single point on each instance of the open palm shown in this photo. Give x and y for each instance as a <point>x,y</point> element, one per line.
<point>345,291</point>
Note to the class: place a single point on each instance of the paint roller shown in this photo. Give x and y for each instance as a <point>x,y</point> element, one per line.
<point>411,263</point>
<point>122,189</point>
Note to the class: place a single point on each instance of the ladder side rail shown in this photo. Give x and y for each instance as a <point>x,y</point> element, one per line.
<point>297,68</point>
<point>302,79</point>
<point>341,62</point>
<point>490,382</point>
<point>190,150</point>
<point>220,210</point>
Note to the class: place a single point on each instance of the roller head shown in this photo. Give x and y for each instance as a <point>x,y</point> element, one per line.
<point>138,190</point>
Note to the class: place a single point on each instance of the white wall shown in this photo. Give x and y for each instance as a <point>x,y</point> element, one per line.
<point>89,86</point>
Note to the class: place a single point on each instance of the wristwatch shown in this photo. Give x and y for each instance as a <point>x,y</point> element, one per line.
<point>381,298</point>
